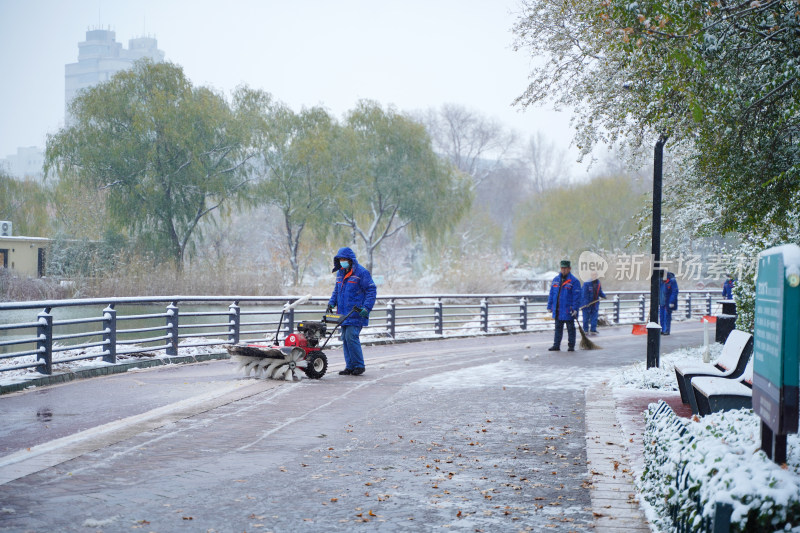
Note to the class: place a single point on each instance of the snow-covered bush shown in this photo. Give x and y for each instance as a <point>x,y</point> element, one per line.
<point>693,465</point>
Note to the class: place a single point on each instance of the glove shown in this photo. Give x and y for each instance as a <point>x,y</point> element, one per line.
<point>573,314</point>
<point>329,310</point>
<point>674,307</point>
<point>362,311</point>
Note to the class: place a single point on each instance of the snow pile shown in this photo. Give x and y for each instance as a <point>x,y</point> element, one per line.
<point>693,465</point>
<point>638,376</point>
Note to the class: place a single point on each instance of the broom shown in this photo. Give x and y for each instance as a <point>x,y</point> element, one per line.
<point>586,344</point>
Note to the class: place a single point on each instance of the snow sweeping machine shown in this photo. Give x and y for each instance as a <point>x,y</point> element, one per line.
<point>300,350</point>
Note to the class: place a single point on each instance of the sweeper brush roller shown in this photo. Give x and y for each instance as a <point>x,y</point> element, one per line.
<point>279,363</point>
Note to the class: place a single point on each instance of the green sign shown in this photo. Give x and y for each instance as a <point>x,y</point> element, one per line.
<point>775,339</point>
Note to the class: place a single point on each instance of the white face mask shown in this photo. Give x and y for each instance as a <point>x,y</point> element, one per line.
<point>345,264</point>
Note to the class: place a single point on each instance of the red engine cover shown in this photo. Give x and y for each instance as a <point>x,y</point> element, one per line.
<point>298,339</point>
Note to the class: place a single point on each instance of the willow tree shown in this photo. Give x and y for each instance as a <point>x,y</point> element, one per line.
<point>298,165</point>
<point>166,153</point>
<point>25,204</point>
<point>395,180</point>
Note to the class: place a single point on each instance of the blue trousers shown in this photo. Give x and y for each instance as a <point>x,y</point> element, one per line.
<point>560,332</point>
<point>665,317</point>
<point>590,317</point>
<point>353,356</point>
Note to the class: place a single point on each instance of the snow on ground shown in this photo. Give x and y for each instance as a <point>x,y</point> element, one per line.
<point>513,373</point>
<point>638,376</point>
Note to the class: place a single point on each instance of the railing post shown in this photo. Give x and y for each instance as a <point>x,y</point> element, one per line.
<point>438,320</point>
<point>390,317</point>
<point>44,342</point>
<point>484,315</point>
<point>617,309</point>
<point>708,303</point>
<point>172,328</point>
<point>642,306</point>
<point>110,334</point>
<point>523,313</point>
<point>688,306</point>
<point>234,321</point>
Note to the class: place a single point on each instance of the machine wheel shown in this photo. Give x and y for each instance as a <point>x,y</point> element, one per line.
<point>317,365</point>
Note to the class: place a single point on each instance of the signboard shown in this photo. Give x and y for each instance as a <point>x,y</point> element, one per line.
<point>775,339</point>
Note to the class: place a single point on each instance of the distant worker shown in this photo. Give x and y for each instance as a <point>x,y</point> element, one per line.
<point>354,291</point>
<point>564,301</point>
<point>667,301</point>
<point>727,287</point>
<point>592,292</point>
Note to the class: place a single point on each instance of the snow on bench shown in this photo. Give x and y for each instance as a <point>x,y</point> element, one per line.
<point>731,364</point>
<point>723,394</point>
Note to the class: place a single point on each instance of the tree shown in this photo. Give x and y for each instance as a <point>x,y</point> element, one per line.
<point>475,144</point>
<point>545,162</point>
<point>721,80</point>
<point>598,215</point>
<point>297,153</point>
<point>167,154</point>
<point>25,204</point>
<point>396,180</point>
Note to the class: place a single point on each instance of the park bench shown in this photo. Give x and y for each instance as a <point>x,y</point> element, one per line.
<point>731,364</point>
<point>723,394</point>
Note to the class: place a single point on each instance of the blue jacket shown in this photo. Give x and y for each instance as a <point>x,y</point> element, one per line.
<point>568,299</point>
<point>727,289</point>
<point>589,295</point>
<point>669,292</point>
<point>353,288</point>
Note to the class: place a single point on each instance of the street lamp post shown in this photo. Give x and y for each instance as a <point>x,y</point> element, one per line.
<point>654,333</point>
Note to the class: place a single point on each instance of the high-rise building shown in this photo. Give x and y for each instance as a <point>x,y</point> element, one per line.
<point>27,163</point>
<point>100,56</point>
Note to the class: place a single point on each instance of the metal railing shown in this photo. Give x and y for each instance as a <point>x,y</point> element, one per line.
<point>45,333</point>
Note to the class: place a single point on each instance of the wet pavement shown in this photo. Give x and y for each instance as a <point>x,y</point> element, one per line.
<point>481,434</point>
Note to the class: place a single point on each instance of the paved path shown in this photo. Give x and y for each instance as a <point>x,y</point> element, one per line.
<point>482,434</point>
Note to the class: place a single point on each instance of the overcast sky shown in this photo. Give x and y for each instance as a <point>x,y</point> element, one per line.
<point>414,54</point>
